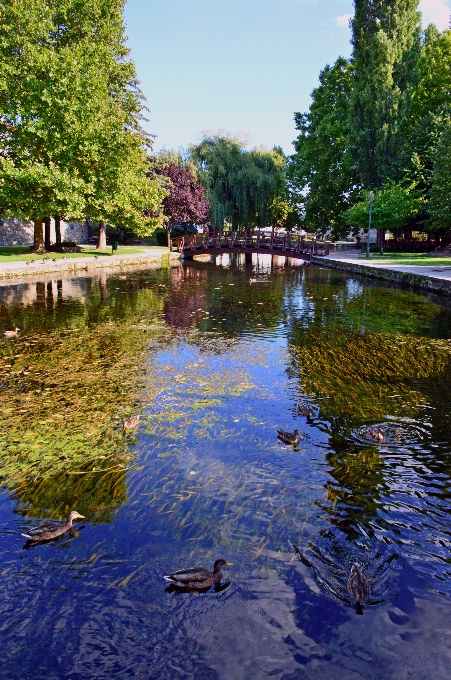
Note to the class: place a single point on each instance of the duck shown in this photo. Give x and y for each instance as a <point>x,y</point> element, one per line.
<point>376,433</point>
<point>197,578</point>
<point>11,334</point>
<point>48,532</point>
<point>130,423</point>
<point>358,587</point>
<point>306,411</point>
<point>292,438</point>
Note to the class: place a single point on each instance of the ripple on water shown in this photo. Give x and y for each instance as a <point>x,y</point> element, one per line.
<point>393,432</point>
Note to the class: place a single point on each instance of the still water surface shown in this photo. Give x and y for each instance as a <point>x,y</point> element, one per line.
<point>215,365</point>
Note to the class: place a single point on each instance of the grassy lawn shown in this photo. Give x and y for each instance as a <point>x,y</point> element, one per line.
<point>22,253</point>
<point>422,259</point>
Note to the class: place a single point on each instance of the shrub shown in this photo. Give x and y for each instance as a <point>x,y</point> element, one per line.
<point>161,237</point>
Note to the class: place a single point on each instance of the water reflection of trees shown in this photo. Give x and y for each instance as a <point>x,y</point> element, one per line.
<point>233,303</point>
<point>68,380</point>
<point>357,379</point>
<point>95,495</point>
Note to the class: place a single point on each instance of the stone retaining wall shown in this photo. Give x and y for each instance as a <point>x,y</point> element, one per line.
<point>435,285</point>
<point>16,232</point>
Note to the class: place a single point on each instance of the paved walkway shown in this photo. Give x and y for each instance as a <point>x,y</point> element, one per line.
<point>438,272</point>
<point>433,278</point>
<point>13,270</point>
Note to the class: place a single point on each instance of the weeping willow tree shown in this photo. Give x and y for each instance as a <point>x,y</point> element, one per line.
<point>242,185</point>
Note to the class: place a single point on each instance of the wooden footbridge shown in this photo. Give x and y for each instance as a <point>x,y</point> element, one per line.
<point>248,242</point>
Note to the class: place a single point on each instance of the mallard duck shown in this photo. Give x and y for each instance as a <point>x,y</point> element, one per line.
<point>376,433</point>
<point>358,587</point>
<point>197,578</point>
<point>292,438</point>
<point>48,532</point>
<point>11,334</point>
<point>306,411</point>
<point>130,423</point>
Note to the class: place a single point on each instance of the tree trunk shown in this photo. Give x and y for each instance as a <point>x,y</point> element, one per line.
<point>381,240</point>
<point>101,244</point>
<point>38,246</point>
<point>57,230</point>
<point>47,232</point>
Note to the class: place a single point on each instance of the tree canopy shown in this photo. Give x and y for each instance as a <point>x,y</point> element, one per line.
<point>378,120</point>
<point>320,169</point>
<point>70,112</point>
<point>241,185</point>
<point>186,202</point>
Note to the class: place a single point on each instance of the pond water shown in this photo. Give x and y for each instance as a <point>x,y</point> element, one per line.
<point>215,364</point>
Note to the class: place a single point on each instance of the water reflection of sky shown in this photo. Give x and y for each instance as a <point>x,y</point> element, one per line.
<point>209,479</point>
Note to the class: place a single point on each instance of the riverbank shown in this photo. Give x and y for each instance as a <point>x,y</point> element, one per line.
<point>436,279</point>
<point>152,255</point>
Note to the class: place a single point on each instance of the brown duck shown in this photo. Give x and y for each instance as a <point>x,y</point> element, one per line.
<point>358,587</point>
<point>292,438</point>
<point>197,578</point>
<point>11,334</point>
<point>130,423</point>
<point>306,411</point>
<point>376,433</point>
<point>50,531</point>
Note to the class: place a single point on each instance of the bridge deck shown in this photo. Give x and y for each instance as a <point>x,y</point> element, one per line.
<point>220,242</point>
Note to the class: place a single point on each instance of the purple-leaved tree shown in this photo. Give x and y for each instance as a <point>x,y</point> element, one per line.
<point>186,203</point>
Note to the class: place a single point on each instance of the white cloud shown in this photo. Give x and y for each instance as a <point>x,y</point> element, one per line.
<point>436,12</point>
<point>343,20</point>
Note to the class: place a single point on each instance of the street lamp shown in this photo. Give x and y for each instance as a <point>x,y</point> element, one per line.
<point>371,199</point>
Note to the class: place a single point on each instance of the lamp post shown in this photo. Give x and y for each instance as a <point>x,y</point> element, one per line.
<point>371,199</point>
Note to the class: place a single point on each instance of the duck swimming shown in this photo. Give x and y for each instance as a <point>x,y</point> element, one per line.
<point>376,433</point>
<point>292,438</point>
<point>197,578</point>
<point>358,587</point>
<point>50,531</point>
<point>11,334</point>
<point>130,423</point>
<point>306,411</point>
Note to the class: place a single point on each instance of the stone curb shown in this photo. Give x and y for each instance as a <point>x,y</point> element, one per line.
<point>77,265</point>
<point>421,281</point>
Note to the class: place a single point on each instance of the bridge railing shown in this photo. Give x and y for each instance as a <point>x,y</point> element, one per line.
<point>256,240</point>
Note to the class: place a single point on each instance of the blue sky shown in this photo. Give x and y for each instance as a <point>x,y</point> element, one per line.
<point>237,65</point>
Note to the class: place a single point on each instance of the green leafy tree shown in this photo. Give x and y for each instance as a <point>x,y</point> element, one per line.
<point>70,109</point>
<point>434,73</point>
<point>241,185</point>
<point>440,202</point>
<point>320,170</point>
<point>393,206</point>
<point>431,115</point>
<point>386,46</point>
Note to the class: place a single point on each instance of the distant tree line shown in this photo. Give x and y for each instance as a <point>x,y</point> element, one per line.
<point>381,122</point>
<point>221,183</point>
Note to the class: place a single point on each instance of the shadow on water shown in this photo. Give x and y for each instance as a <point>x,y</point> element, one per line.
<point>215,363</point>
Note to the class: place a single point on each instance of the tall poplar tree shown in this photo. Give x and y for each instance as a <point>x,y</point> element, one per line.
<point>386,42</point>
